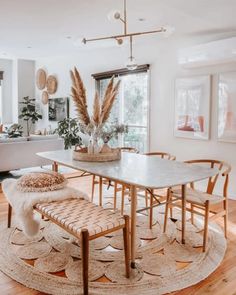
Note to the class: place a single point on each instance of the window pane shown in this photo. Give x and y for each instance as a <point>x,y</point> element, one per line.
<point>130,108</point>
<point>135,99</point>
<point>136,138</point>
<point>114,115</point>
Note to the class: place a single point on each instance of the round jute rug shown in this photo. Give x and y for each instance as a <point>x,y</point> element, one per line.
<point>50,263</point>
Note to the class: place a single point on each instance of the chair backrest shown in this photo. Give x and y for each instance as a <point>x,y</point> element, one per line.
<point>162,155</point>
<point>129,149</point>
<point>223,168</point>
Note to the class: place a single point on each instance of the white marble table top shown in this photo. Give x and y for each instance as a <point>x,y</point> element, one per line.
<point>140,170</point>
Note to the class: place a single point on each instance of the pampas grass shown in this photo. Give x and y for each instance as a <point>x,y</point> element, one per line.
<point>79,97</point>
<point>96,110</point>
<point>101,111</point>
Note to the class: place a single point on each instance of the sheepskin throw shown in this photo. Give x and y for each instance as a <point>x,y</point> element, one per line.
<point>41,182</point>
<point>23,202</point>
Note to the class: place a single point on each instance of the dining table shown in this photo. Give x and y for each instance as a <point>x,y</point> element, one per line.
<point>137,171</point>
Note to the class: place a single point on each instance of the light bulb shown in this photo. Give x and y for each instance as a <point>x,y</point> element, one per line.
<point>131,64</point>
<point>114,15</point>
<point>168,30</point>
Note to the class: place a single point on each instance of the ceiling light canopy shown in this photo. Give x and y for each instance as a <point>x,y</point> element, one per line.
<point>116,15</point>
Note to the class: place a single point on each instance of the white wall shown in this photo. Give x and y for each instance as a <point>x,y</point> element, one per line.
<point>6,65</point>
<point>26,83</point>
<point>164,70</point>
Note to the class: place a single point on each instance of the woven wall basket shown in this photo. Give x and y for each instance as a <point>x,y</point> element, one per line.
<point>114,155</point>
<point>51,84</point>
<point>41,78</point>
<point>45,97</point>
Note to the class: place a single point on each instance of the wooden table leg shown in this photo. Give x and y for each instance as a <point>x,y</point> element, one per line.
<point>133,224</point>
<point>55,167</point>
<point>183,212</point>
<point>100,191</point>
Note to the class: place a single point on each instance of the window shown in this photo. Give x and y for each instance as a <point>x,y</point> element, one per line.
<point>130,107</point>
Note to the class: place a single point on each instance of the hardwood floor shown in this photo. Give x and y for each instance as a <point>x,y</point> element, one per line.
<point>221,282</point>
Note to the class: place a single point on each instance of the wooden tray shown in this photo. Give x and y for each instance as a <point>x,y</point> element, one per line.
<point>101,157</point>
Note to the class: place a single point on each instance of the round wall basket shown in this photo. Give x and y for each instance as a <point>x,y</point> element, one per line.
<point>51,84</point>
<point>45,97</point>
<point>41,78</point>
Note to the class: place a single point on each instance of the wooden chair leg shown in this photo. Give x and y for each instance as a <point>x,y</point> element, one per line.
<point>100,191</point>
<point>192,214</point>
<point>205,236</point>
<point>225,204</point>
<point>93,187</point>
<point>122,199</point>
<point>115,195</point>
<point>146,198</point>
<point>85,259</point>
<point>166,211</point>
<point>9,215</point>
<point>151,210</point>
<point>126,246</point>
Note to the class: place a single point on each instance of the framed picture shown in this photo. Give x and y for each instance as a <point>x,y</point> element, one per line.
<point>227,107</point>
<point>58,108</point>
<point>192,107</point>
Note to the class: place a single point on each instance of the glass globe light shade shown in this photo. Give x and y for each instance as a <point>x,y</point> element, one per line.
<point>131,64</point>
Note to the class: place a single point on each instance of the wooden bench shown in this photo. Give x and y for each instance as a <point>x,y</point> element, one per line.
<point>87,222</point>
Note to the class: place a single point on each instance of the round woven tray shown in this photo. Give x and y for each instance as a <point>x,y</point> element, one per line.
<point>115,154</point>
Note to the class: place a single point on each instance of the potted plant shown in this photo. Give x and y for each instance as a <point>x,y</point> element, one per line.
<point>28,113</point>
<point>14,131</point>
<point>68,129</point>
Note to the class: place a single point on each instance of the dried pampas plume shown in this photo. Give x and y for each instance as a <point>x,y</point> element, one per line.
<point>96,110</point>
<point>79,97</point>
<point>100,112</point>
<point>108,102</point>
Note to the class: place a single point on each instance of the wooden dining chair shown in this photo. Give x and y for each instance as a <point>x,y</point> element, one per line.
<point>109,183</point>
<point>155,196</point>
<point>160,195</point>
<point>204,203</point>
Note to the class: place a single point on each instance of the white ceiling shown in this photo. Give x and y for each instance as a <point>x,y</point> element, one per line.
<point>44,25</point>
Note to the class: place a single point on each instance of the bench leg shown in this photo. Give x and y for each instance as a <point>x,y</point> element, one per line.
<point>126,246</point>
<point>9,214</point>
<point>85,259</point>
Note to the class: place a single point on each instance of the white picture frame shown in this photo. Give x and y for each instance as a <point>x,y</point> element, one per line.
<point>192,107</point>
<point>226,118</point>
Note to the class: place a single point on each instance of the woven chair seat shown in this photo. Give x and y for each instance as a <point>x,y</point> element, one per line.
<point>197,197</point>
<point>77,214</point>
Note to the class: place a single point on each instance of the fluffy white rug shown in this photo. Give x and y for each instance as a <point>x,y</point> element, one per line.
<point>23,202</point>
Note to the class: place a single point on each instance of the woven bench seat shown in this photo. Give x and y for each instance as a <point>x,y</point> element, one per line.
<point>86,221</point>
<point>77,214</point>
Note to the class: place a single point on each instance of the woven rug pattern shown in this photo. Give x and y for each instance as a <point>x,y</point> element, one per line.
<point>51,263</point>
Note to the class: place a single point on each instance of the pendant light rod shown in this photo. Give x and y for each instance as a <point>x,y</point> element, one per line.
<point>161,30</point>
<point>131,47</point>
<point>125,18</point>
